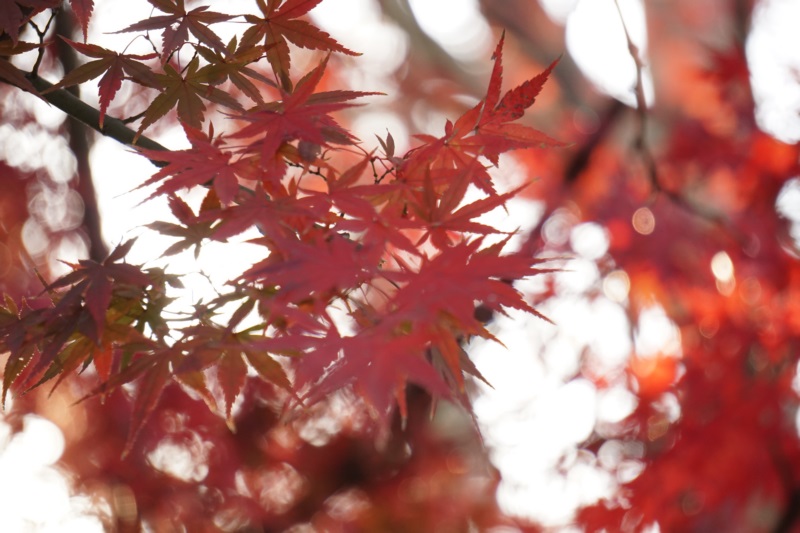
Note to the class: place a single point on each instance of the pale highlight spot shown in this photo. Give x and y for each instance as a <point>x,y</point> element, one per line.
<point>616,286</point>
<point>722,268</point>
<point>590,240</point>
<point>643,220</point>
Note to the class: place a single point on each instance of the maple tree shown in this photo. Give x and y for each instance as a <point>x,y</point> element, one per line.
<point>309,388</point>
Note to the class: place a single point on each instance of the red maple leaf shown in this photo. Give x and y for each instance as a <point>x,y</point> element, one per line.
<point>15,13</point>
<point>377,362</point>
<point>458,276</point>
<point>8,71</point>
<point>301,115</point>
<point>186,90</point>
<point>17,327</point>
<point>205,345</point>
<point>279,24</point>
<point>92,285</point>
<point>484,131</point>
<point>83,10</point>
<point>275,215</point>
<point>113,66</point>
<point>193,230</point>
<point>195,21</point>
<point>293,267</point>
<point>205,163</point>
<point>233,65</point>
<point>443,220</point>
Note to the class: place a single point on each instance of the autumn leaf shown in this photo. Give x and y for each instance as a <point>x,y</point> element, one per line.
<point>210,346</point>
<point>444,219</point>
<point>233,65</point>
<point>83,11</point>
<point>113,66</point>
<point>456,277</point>
<point>174,37</point>
<point>8,71</point>
<point>191,229</point>
<point>17,337</point>
<point>92,285</point>
<point>205,163</point>
<point>301,115</point>
<point>148,392</point>
<point>15,13</point>
<point>268,213</point>
<point>293,266</point>
<point>484,130</point>
<point>185,92</point>
<point>376,363</point>
<point>280,24</point>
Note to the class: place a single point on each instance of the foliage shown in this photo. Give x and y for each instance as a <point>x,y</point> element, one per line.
<point>304,389</point>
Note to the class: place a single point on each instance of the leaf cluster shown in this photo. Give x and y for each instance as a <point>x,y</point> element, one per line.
<point>373,263</point>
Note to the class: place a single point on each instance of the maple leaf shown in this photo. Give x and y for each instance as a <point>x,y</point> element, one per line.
<point>301,115</point>
<point>205,163</point>
<point>376,362</point>
<point>19,331</point>
<point>8,71</point>
<point>442,218</point>
<point>208,345</point>
<point>15,13</point>
<point>185,92</point>
<point>191,228</point>
<point>152,367</point>
<point>449,284</point>
<point>106,307</point>
<point>157,375</point>
<point>113,66</point>
<point>357,205</point>
<point>484,130</point>
<point>80,350</point>
<point>279,24</point>
<point>83,11</point>
<point>195,21</point>
<point>275,215</point>
<point>344,193</point>
<point>92,284</point>
<point>294,267</point>
<point>417,337</point>
<point>232,65</point>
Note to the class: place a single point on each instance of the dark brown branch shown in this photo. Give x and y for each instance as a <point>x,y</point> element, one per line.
<point>113,128</point>
<point>80,142</point>
<point>88,115</point>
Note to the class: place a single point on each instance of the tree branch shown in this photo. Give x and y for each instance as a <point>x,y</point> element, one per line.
<point>83,112</point>
<point>80,142</point>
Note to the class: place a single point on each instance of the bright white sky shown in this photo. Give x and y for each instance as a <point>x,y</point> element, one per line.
<point>533,417</point>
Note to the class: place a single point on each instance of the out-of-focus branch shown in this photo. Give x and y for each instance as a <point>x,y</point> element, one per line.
<point>112,128</point>
<point>80,143</point>
<point>649,161</point>
<point>400,12</point>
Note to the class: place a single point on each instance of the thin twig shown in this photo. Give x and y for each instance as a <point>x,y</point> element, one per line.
<point>41,34</point>
<point>640,143</point>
